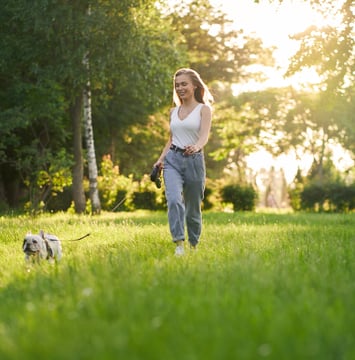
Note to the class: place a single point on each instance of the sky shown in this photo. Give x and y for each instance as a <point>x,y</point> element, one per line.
<point>274,23</point>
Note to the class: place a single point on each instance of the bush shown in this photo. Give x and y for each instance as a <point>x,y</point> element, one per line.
<point>243,198</point>
<point>313,197</point>
<point>295,196</point>
<point>145,200</point>
<point>114,187</point>
<point>352,197</point>
<point>341,197</point>
<point>60,201</point>
<point>121,202</point>
<point>331,197</point>
<point>207,204</point>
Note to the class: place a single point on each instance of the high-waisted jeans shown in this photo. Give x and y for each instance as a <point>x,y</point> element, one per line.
<point>184,178</point>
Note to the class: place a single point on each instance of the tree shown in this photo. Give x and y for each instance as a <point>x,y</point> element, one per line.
<point>130,128</point>
<point>78,167</point>
<point>251,121</point>
<point>32,105</point>
<point>330,50</point>
<point>44,45</point>
<point>313,126</point>
<point>214,48</point>
<point>280,120</point>
<point>89,137</point>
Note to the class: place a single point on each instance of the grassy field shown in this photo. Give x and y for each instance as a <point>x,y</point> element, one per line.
<point>273,286</point>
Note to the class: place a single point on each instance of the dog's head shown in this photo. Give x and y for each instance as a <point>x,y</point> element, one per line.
<point>33,245</point>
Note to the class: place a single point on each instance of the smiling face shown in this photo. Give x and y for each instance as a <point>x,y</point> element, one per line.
<point>184,87</point>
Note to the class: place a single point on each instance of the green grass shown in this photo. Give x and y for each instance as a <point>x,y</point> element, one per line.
<point>274,286</point>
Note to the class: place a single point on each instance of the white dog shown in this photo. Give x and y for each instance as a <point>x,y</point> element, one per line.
<point>42,246</point>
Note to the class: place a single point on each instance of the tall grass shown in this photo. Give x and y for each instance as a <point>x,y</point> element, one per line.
<point>260,286</point>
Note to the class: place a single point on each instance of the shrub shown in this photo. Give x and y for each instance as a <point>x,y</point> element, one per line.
<point>332,197</point>
<point>341,197</point>
<point>313,197</point>
<point>207,204</point>
<point>60,201</point>
<point>145,200</point>
<point>146,195</point>
<point>352,197</point>
<point>113,186</point>
<point>243,198</point>
<point>295,196</point>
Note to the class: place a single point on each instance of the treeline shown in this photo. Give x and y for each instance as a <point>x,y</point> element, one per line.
<point>86,81</point>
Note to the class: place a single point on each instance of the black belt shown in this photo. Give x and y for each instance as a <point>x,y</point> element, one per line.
<point>177,149</point>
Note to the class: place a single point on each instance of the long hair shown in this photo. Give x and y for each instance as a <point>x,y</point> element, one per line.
<point>202,94</point>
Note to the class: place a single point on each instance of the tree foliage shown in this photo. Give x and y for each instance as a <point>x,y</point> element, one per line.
<point>43,75</point>
<point>214,48</point>
<point>330,50</point>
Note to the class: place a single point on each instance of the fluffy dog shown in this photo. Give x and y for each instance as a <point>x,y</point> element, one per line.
<point>42,246</point>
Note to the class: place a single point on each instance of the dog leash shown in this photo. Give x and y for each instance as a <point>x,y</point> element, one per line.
<point>119,204</point>
<point>82,237</point>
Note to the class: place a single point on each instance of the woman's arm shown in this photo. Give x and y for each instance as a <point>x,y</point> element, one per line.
<point>159,163</point>
<point>162,155</point>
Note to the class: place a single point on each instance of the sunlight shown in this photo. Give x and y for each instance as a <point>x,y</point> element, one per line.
<point>287,162</point>
<point>274,23</point>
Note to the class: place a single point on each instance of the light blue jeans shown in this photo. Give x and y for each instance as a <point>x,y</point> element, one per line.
<point>184,179</point>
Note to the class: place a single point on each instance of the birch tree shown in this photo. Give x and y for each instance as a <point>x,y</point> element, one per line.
<point>78,168</point>
<point>89,137</point>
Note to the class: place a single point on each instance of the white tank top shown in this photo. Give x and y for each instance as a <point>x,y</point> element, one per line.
<point>185,132</point>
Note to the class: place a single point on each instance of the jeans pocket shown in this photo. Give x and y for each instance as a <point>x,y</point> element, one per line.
<point>197,170</point>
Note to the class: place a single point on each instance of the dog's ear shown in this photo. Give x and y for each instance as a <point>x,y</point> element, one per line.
<point>24,243</point>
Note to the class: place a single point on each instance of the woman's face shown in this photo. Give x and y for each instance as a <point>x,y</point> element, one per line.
<point>184,87</point>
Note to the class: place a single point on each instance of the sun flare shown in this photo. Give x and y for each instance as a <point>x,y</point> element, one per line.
<point>275,22</point>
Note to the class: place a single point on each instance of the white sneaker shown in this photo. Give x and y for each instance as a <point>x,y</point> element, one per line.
<point>179,250</point>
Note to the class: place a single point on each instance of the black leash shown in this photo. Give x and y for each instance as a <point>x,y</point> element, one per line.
<point>83,237</point>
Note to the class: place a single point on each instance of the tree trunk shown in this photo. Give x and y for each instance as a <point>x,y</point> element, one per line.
<point>91,156</point>
<point>78,168</point>
<point>89,137</point>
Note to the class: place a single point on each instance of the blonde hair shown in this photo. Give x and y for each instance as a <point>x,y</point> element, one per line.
<point>202,94</point>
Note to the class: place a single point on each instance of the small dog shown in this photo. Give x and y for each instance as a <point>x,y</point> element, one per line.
<point>42,246</point>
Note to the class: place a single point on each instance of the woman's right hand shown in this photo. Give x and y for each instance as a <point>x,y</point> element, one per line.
<point>159,164</point>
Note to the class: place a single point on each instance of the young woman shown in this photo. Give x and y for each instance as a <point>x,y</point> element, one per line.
<point>182,158</point>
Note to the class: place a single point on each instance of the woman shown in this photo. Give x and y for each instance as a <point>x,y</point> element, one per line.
<point>182,157</point>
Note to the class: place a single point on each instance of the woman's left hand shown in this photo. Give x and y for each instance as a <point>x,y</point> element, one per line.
<point>191,149</point>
